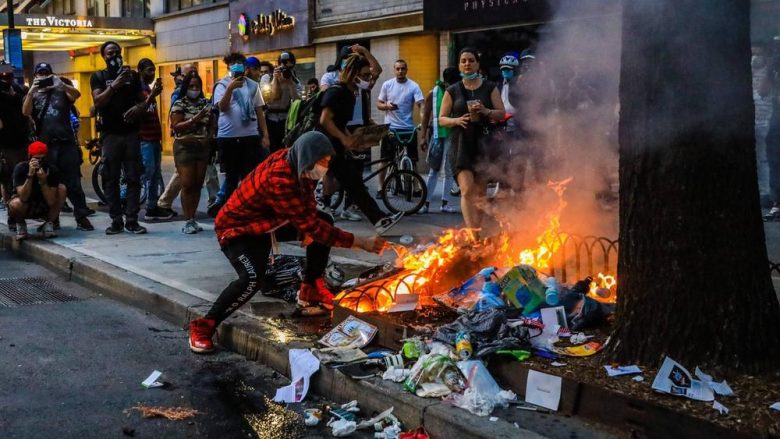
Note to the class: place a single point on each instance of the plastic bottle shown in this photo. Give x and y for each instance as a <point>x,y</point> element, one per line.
<point>553,291</point>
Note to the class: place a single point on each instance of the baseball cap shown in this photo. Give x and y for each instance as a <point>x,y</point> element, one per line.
<point>43,66</point>
<point>252,61</point>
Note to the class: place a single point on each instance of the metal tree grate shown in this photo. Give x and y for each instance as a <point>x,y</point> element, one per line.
<point>21,291</point>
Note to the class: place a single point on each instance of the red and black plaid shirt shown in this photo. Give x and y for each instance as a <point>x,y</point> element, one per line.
<point>272,196</point>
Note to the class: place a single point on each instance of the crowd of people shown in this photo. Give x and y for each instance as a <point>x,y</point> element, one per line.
<point>243,128</point>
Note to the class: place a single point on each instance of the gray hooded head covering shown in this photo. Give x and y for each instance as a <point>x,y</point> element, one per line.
<point>308,150</point>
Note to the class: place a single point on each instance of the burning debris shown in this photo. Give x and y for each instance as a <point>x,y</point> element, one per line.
<point>170,413</point>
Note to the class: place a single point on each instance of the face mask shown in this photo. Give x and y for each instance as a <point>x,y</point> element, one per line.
<point>114,63</point>
<point>193,94</point>
<point>469,76</point>
<point>507,74</point>
<point>237,68</point>
<point>363,85</point>
<point>318,172</point>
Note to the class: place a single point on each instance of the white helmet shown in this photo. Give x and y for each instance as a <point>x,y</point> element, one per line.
<point>510,61</point>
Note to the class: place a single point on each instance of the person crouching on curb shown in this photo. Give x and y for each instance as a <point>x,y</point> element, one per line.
<point>37,192</point>
<point>275,202</point>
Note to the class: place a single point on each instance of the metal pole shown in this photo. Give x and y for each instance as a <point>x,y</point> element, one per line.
<point>10,9</point>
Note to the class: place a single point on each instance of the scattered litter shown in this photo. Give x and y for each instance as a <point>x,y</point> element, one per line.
<point>151,380</point>
<point>389,432</point>
<point>419,433</point>
<point>523,289</point>
<point>722,409</point>
<point>404,303</point>
<point>432,390</point>
<point>554,319</point>
<point>434,368</point>
<point>396,375</point>
<point>517,426</point>
<point>342,427</point>
<point>543,389</point>
<point>638,378</point>
<point>722,388</point>
<point>303,364</point>
<point>493,419</point>
<point>674,379</point>
<point>775,406</point>
<point>615,371</point>
<point>585,350</point>
<point>170,413</point>
<point>345,354</point>
<point>520,355</point>
<point>413,348</point>
<point>557,364</point>
<point>351,332</point>
<point>312,417</point>
<point>482,394</point>
<point>368,423</point>
<point>406,239</point>
<point>507,395</point>
<point>579,338</point>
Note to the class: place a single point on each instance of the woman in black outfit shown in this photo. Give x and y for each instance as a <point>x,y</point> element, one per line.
<point>469,107</point>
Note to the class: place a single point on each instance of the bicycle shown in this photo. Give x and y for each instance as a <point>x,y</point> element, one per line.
<point>95,157</point>
<point>403,190</point>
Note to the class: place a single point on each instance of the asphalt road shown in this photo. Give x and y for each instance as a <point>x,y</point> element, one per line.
<point>74,369</point>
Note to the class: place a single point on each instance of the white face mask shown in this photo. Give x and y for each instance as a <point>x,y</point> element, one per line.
<point>363,85</point>
<point>318,172</point>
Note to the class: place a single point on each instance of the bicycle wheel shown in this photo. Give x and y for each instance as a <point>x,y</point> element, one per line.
<point>97,182</point>
<point>335,199</point>
<point>404,191</point>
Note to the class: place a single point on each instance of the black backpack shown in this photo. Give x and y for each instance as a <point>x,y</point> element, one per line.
<point>306,117</point>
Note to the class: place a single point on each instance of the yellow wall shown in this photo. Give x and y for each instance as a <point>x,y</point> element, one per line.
<point>137,53</point>
<point>421,52</point>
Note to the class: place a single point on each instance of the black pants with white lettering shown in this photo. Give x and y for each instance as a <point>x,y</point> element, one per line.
<point>249,257</point>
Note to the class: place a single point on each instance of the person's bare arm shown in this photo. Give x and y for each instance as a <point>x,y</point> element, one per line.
<point>263,127</point>
<point>427,112</point>
<point>498,111</point>
<point>102,97</point>
<point>71,92</point>
<point>49,193</point>
<point>27,105</point>
<point>446,109</point>
<point>326,120</point>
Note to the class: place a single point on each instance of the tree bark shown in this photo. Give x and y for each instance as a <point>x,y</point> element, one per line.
<point>694,283</point>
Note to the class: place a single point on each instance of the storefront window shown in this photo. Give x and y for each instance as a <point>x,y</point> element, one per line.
<point>178,5</point>
<point>135,8</point>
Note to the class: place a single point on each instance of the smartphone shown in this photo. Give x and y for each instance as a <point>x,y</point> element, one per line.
<point>236,75</point>
<point>47,82</point>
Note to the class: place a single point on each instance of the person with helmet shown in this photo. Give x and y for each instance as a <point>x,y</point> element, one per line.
<point>510,154</point>
<point>285,87</point>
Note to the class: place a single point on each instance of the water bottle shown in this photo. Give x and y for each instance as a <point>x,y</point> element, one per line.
<point>552,292</point>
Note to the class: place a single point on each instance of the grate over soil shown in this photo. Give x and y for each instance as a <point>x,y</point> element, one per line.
<point>31,291</point>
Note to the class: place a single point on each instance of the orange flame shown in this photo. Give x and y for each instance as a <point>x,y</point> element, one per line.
<point>605,290</point>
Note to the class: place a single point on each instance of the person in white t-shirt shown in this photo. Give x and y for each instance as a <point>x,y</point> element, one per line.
<point>398,98</point>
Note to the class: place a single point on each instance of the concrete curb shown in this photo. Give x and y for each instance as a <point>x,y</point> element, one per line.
<point>258,340</point>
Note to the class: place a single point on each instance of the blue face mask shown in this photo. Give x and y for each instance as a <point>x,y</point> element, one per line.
<point>469,76</point>
<point>343,64</point>
<point>507,74</point>
<point>237,68</point>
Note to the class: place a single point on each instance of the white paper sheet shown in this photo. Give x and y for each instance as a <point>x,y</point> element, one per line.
<point>721,388</point>
<point>543,390</point>
<point>722,409</point>
<point>303,364</point>
<point>674,379</point>
<point>622,370</point>
<point>405,302</point>
<point>638,378</point>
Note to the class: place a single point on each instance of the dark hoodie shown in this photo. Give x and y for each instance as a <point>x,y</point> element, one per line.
<point>275,194</point>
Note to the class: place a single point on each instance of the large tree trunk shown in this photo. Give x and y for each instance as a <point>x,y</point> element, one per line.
<point>693,277</point>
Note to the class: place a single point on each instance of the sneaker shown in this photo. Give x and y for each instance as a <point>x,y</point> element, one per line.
<point>387,223</point>
<point>455,191</point>
<point>159,213</point>
<point>21,231</point>
<point>350,214</point>
<point>84,225</point>
<point>190,227</point>
<point>773,215</point>
<point>424,209</point>
<point>201,331</point>
<point>318,293</point>
<point>197,226</point>
<point>446,208</point>
<point>116,227</point>
<point>66,208</point>
<point>213,209</point>
<point>47,230</point>
<point>134,227</point>
<point>57,225</point>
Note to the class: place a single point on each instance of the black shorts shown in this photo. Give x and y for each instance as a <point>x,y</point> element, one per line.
<point>36,208</point>
<point>391,144</point>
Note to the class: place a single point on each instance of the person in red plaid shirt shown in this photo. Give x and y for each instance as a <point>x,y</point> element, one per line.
<point>275,202</point>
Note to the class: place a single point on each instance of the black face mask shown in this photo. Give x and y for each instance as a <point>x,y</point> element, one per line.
<point>114,64</point>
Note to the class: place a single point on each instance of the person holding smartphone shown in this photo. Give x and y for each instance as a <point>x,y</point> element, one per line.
<point>242,134</point>
<point>151,137</point>
<point>120,103</point>
<point>191,120</point>
<point>48,103</point>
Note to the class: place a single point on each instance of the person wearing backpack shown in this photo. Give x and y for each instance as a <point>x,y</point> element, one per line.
<point>337,107</point>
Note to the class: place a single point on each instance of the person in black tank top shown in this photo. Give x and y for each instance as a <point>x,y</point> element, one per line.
<point>469,107</point>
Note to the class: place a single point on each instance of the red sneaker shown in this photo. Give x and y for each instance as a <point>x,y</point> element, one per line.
<point>317,293</point>
<point>201,331</point>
